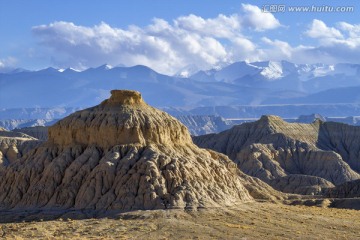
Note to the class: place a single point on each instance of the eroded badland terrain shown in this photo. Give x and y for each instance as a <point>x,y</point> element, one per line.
<point>125,170</point>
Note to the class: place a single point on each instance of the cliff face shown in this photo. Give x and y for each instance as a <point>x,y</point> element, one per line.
<point>14,145</point>
<point>349,189</point>
<point>307,157</point>
<point>124,155</point>
<point>123,119</point>
<point>38,132</point>
<point>343,139</point>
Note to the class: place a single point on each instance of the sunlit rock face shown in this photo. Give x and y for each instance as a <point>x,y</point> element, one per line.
<point>124,118</point>
<point>123,155</point>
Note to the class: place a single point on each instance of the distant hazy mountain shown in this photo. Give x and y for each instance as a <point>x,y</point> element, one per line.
<point>284,75</point>
<point>283,110</point>
<point>11,124</point>
<point>241,83</point>
<point>51,87</point>
<point>187,71</point>
<point>200,125</point>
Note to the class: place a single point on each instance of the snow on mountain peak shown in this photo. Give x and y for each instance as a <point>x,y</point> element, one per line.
<point>309,71</point>
<point>323,70</point>
<point>273,71</point>
<point>61,70</point>
<point>183,74</point>
<point>73,69</point>
<point>105,67</point>
<point>187,71</point>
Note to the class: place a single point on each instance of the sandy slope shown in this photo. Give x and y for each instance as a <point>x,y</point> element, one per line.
<point>246,221</point>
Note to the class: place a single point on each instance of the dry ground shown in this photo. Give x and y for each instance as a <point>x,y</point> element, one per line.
<point>246,221</point>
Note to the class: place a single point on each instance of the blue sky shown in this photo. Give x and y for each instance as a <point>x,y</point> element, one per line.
<point>169,35</point>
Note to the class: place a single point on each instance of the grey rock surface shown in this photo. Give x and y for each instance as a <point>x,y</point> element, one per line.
<point>274,151</point>
<point>349,189</point>
<point>39,132</point>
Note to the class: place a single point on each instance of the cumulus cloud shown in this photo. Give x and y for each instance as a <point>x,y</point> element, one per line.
<point>219,27</point>
<point>167,46</point>
<point>335,44</point>
<point>318,29</point>
<point>257,19</point>
<point>352,34</point>
<point>162,45</point>
<point>280,49</point>
<point>352,29</point>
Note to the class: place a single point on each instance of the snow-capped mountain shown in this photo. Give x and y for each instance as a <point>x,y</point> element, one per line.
<point>308,78</point>
<point>50,87</point>
<point>241,83</point>
<point>187,71</point>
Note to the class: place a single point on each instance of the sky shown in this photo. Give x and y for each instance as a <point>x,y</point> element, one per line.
<point>170,36</point>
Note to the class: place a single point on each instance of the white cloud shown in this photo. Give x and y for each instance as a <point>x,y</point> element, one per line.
<point>352,30</point>
<point>280,50</point>
<point>257,19</point>
<point>335,44</point>
<point>7,64</point>
<point>192,40</point>
<point>352,34</point>
<point>160,46</point>
<point>318,29</point>
<point>163,46</point>
<point>243,49</point>
<point>219,27</point>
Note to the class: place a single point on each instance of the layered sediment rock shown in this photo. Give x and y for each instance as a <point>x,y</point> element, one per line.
<point>277,152</point>
<point>14,145</point>
<point>301,184</point>
<point>123,119</point>
<point>346,190</point>
<point>38,132</point>
<point>124,155</point>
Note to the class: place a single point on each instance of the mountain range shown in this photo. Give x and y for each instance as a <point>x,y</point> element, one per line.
<point>241,83</point>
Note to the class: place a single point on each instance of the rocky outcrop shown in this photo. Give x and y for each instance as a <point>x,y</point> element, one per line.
<point>124,155</point>
<point>278,152</point>
<point>123,119</point>
<point>125,177</point>
<point>343,139</point>
<point>346,190</point>
<point>14,145</point>
<point>38,132</point>
<point>301,184</point>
